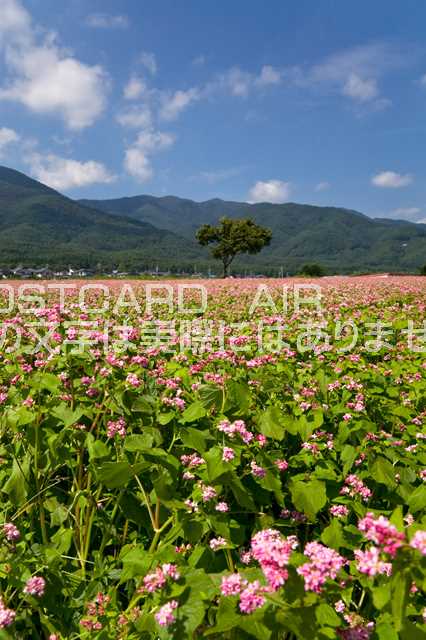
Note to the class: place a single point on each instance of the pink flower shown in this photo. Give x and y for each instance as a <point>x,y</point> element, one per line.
<point>228,454</point>
<point>273,551</point>
<point>116,428</point>
<point>133,380</point>
<point>7,616</point>
<point>418,542</point>
<point>223,507</point>
<point>260,438</point>
<point>369,562</point>
<point>170,571</point>
<point>256,470</point>
<point>154,581</point>
<point>193,460</point>
<point>339,606</point>
<point>217,543</point>
<point>35,586</point>
<point>324,563</point>
<point>281,464</point>
<point>355,486</point>
<point>382,532</point>
<point>11,532</point>
<point>208,493</point>
<point>165,616</point>
<point>339,510</point>
<point>251,598</point>
<point>231,585</point>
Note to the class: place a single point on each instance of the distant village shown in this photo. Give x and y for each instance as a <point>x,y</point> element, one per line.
<point>46,273</point>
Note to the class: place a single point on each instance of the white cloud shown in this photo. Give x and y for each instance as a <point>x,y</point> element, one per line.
<point>138,117</point>
<point>137,158</point>
<point>322,186</point>
<point>360,89</point>
<point>137,164</point>
<point>148,60</point>
<point>65,173</point>
<point>7,137</point>
<point>44,77</point>
<point>174,104</point>
<point>354,72</point>
<point>241,83</point>
<point>391,180</point>
<point>275,191</point>
<point>107,21</point>
<point>134,88</point>
<point>268,75</point>
<point>406,211</point>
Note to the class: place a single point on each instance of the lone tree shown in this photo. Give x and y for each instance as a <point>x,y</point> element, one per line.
<point>233,236</point>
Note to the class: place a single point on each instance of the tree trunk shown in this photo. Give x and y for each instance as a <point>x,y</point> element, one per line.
<point>225,269</point>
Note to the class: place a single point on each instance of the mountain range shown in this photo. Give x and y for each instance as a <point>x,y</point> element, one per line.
<point>38,225</point>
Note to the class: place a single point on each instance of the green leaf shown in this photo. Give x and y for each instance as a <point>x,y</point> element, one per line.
<point>16,486</point>
<point>332,535</point>
<point>417,500</point>
<point>96,448</point>
<point>270,423</point>
<point>382,471</point>
<point>381,595</point>
<point>66,415</point>
<point>216,467</point>
<point>400,588</point>
<point>138,442</point>
<point>136,562</point>
<point>115,474</point>
<point>211,396</point>
<point>308,497</point>
<point>144,404</point>
<point>193,412</point>
<point>195,439</point>
<point>326,615</point>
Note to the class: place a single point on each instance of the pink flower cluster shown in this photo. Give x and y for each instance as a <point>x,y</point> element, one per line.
<point>193,460</point>
<point>11,532</point>
<point>324,563</point>
<point>35,586</point>
<point>273,551</point>
<point>251,593</point>
<point>157,580</point>
<point>7,616</point>
<point>339,510</point>
<point>231,429</point>
<point>116,428</point>
<point>166,616</point>
<point>355,486</point>
<point>370,563</point>
<point>217,543</point>
<point>418,542</point>
<point>382,532</point>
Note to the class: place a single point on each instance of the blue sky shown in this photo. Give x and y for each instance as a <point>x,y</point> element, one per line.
<point>315,101</point>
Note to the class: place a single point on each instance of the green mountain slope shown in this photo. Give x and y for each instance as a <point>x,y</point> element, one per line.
<point>342,240</point>
<point>38,225</point>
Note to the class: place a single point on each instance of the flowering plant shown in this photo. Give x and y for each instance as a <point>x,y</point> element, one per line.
<point>150,492</point>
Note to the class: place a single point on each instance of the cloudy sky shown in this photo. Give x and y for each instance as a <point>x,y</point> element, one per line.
<point>317,101</point>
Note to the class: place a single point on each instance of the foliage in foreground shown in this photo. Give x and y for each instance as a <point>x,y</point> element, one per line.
<point>223,494</point>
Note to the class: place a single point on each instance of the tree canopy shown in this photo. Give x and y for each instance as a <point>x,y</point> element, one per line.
<point>233,236</point>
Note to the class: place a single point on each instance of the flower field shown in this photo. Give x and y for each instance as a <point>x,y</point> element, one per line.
<point>252,469</point>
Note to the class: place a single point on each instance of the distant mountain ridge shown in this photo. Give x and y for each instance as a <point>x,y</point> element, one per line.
<point>342,240</point>
<point>40,226</point>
